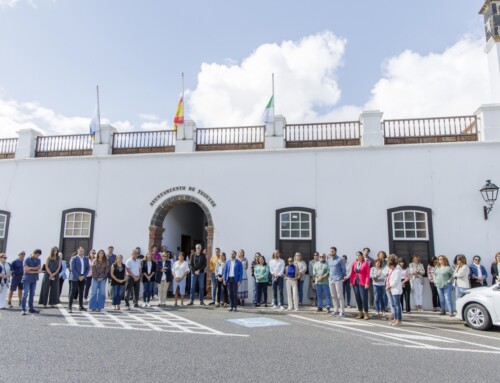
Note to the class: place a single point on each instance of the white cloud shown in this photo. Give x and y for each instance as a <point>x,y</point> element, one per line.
<point>149,117</point>
<point>304,78</point>
<point>8,3</point>
<point>31,115</point>
<point>454,82</point>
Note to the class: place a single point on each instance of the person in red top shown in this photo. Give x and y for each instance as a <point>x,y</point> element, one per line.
<point>360,282</point>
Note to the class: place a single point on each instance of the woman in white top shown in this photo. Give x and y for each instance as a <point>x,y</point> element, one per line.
<point>461,275</point>
<point>417,273</point>
<point>394,288</point>
<point>180,271</point>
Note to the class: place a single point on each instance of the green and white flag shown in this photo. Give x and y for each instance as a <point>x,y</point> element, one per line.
<point>268,115</point>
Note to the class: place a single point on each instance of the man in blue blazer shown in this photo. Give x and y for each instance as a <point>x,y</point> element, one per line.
<point>232,276</point>
<point>79,268</point>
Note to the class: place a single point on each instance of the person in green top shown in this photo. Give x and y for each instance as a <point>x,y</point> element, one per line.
<point>321,272</point>
<point>261,273</point>
<point>443,279</point>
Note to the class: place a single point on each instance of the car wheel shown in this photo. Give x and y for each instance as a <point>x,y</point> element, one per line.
<point>477,317</point>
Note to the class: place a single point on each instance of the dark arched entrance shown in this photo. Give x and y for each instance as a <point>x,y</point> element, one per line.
<point>156,228</point>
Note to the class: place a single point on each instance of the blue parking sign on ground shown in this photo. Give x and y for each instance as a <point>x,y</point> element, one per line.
<point>257,322</point>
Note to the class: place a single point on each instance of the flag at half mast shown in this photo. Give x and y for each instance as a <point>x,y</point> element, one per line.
<point>268,115</point>
<point>179,115</point>
<point>94,124</point>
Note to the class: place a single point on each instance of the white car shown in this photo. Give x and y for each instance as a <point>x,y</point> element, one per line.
<point>480,307</point>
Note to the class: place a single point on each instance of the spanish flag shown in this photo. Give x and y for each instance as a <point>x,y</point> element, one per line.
<point>179,115</point>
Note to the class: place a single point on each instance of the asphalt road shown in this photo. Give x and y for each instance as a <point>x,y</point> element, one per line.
<point>200,345</point>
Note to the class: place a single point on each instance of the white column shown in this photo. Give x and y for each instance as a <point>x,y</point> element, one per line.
<point>103,144</point>
<point>274,138</point>
<point>186,134</point>
<point>488,117</point>
<point>371,128</point>
<point>26,144</point>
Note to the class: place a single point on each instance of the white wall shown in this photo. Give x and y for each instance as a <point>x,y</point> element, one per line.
<point>350,188</point>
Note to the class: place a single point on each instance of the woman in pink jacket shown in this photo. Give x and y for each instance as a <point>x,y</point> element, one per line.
<point>360,282</point>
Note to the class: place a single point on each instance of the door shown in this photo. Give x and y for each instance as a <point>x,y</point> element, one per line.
<point>296,232</point>
<point>71,245</point>
<point>186,244</point>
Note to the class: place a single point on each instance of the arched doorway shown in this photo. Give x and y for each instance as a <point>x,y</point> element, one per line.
<point>190,221</point>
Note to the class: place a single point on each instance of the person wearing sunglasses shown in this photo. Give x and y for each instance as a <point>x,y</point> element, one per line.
<point>478,273</point>
<point>5,274</point>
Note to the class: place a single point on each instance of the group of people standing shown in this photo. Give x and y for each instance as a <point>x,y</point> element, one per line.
<point>383,284</point>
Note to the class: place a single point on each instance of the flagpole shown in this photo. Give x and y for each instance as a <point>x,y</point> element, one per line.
<point>274,110</point>
<point>99,116</point>
<point>183,106</point>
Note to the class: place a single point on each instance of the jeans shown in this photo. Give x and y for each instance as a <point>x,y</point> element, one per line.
<point>301,291</point>
<point>361,294</point>
<point>29,289</point>
<point>292,294</point>
<point>337,293</point>
<point>200,279</point>
<point>132,287</point>
<point>117,294</point>
<point>261,290</point>
<point>347,293</point>
<point>445,297</point>
<point>278,284</point>
<point>147,290</point>
<point>396,307</point>
<point>97,294</point>
<point>76,289</point>
<point>379,292</point>
<point>232,286</point>
<point>154,293</point>
<point>435,296</point>
<point>213,279</point>
<point>323,290</point>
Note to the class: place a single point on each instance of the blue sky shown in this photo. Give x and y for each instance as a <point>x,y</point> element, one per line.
<point>55,52</point>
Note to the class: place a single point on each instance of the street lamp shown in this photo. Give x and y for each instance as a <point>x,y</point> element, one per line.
<point>489,193</point>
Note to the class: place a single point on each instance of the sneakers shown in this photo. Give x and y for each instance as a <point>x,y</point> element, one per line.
<point>211,303</point>
<point>334,315</point>
<point>296,310</point>
<point>33,311</point>
<point>282,308</point>
<point>9,303</point>
<point>24,312</point>
<point>81,308</point>
<point>144,304</point>
<point>230,310</point>
<point>341,315</point>
<point>190,303</point>
<point>319,310</point>
<point>275,307</point>
<point>70,310</point>
<point>136,306</point>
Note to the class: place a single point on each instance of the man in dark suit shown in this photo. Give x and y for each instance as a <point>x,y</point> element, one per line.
<point>198,264</point>
<point>79,268</point>
<point>232,276</point>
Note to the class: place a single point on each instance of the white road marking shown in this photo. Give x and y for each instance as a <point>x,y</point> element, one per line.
<point>412,344</point>
<point>345,326</point>
<point>124,324</point>
<point>439,337</point>
<point>139,320</point>
<point>67,315</point>
<point>454,331</point>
